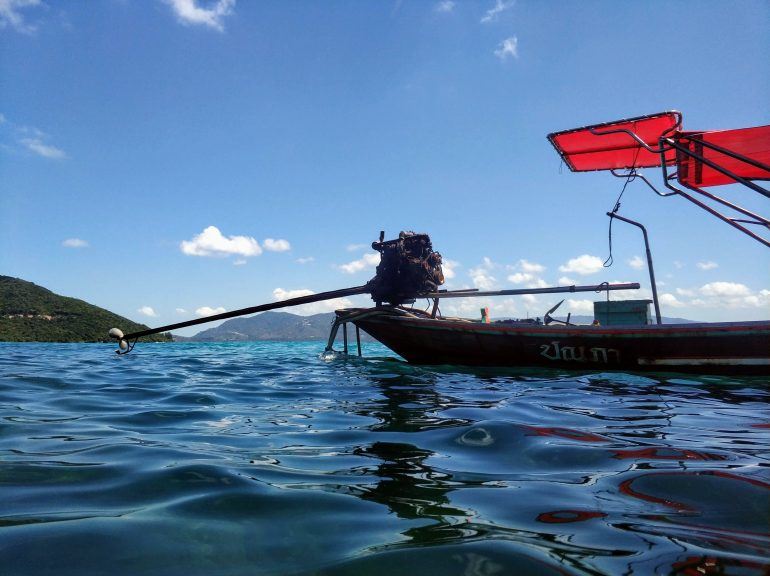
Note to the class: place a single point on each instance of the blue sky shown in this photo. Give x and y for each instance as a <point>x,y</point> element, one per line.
<point>165,159</point>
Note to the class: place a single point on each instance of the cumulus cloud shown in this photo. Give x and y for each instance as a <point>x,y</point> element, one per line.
<point>444,7</point>
<point>209,311</point>
<point>355,247</point>
<point>580,306</point>
<point>189,13</point>
<point>448,267</point>
<point>74,243</point>
<point>276,245</point>
<point>239,262</point>
<point>723,295</point>
<point>147,311</point>
<point>729,289</point>
<point>366,262</point>
<point>707,265</point>
<point>314,307</point>
<point>520,278</point>
<point>508,48</point>
<point>11,15</point>
<point>636,262</point>
<point>583,265</point>
<point>493,13</point>
<point>481,276</point>
<point>471,307</point>
<point>305,260</point>
<point>530,267</point>
<point>566,281</point>
<point>40,148</point>
<point>211,242</point>
<point>668,299</point>
<point>181,311</point>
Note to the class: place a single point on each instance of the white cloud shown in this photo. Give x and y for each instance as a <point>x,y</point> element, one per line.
<point>239,262</point>
<point>40,148</point>
<point>537,283</point>
<point>367,261</point>
<point>707,265</point>
<point>211,242</point>
<point>685,292</point>
<point>181,311</point>
<point>10,14</point>
<point>314,307</point>
<point>530,299</point>
<point>471,307</point>
<point>2,116</point>
<point>678,265</point>
<point>583,265</point>
<point>74,243</point>
<point>636,262</point>
<point>566,281</point>
<point>482,275</point>
<point>444,7</point>
<point>508,48</point>
<point>306,260</point>
<point>721,295</point>
<point>499,7</point>
<point>355,247</point>
<point>724,289</point>
<point>530,267</point>
<point>580,306</point>
<point>147,311</point>
<point>448,268</point>
<point>520,278</point>
<point>668,299</point>
<point>189,13</point>
<point>209,311</point>
<point>276,245</point>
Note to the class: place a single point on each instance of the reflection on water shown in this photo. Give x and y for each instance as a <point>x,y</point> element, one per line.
<point>264,459</point>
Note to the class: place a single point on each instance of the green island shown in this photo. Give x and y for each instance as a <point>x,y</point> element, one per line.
<point>31,313</point>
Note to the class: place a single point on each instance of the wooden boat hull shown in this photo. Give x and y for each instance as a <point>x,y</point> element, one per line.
<point>734,348</point>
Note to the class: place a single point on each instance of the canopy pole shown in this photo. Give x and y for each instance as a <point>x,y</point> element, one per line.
<point>649,261</point>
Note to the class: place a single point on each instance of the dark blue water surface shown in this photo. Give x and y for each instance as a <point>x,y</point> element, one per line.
<point>263,458</point>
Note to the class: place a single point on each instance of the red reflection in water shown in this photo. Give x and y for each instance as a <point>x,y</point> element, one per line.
<point>564,516</point>
<point>566,433</point>
<point>625,487</point>
<point>666,454</point>
<point>767,425</point>
<point>700,565</point>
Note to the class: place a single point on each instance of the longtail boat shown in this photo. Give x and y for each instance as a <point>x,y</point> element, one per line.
<point>623,335</point>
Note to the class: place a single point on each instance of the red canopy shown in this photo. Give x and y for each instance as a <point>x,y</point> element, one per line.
<point>753,143</point>
<point>598,147</point>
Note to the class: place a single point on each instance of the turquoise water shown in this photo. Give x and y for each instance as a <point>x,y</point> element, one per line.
<point>263,458</point>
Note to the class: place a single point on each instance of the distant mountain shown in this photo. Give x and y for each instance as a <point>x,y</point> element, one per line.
<point>31,313</point>
<point>269,326</point>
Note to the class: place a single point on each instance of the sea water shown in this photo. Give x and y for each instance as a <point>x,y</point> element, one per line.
<point>265,458</point>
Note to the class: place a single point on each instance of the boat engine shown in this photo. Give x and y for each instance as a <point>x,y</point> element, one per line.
<point>408,268</point>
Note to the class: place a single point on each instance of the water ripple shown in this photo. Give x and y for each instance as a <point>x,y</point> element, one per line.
<point>264,458</point>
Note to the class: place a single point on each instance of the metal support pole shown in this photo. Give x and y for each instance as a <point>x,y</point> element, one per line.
<point>358,340</point>
<point>345,336</point>
<point>649,262</point>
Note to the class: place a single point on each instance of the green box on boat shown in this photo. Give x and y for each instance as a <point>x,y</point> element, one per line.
<point>623,312</point>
